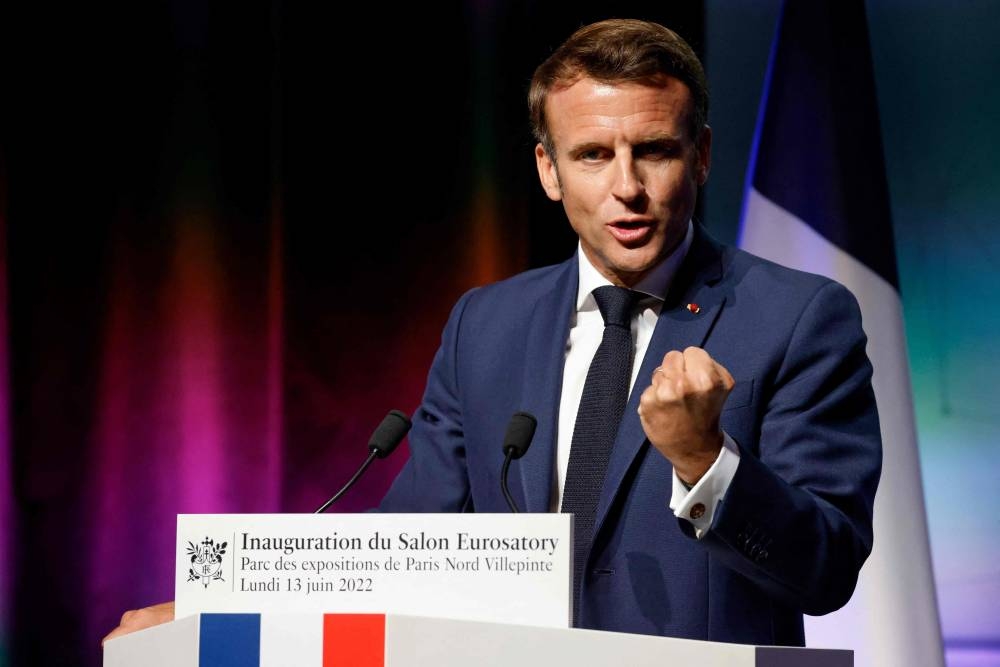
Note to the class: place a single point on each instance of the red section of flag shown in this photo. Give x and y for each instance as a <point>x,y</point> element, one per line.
<point>353,640</point>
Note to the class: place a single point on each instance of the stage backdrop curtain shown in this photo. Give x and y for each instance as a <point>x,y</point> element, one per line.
<point>230,239</point>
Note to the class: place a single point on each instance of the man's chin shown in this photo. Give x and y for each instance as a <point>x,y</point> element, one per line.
<point>625,266</point>
<point>630,273</point>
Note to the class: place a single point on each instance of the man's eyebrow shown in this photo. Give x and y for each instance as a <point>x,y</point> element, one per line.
<point>659,138</point>
<point>576,149</point>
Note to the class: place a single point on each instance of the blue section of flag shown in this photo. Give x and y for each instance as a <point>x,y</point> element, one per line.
<point>818,149</point>
<point>229,640</point>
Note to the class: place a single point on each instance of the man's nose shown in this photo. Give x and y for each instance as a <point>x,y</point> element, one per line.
<point>628,183</point>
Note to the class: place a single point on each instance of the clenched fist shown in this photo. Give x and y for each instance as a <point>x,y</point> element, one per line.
<point>680,410</point>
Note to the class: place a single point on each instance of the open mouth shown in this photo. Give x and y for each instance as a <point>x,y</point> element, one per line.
<point>631,232</point>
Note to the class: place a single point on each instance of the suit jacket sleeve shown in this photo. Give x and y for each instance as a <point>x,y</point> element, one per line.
<point>435,478</point>
<point>797,517</point>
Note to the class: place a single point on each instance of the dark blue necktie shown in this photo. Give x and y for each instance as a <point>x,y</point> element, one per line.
<point>602,405</point>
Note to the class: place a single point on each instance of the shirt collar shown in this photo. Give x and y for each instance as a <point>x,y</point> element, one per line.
<point>654,284</point>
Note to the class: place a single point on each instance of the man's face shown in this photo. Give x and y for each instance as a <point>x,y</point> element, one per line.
<point>626,170</point>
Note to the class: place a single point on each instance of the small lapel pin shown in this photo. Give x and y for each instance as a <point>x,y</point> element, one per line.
<point>694,308</point>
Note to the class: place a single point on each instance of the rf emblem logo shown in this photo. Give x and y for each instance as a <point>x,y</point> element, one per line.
<point>206,561</point>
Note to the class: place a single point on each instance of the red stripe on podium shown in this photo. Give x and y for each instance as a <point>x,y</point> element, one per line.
<point>353,640</point>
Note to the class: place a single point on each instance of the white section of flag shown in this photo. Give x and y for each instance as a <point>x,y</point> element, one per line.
<point>892,620</point>
<point>291,640</point>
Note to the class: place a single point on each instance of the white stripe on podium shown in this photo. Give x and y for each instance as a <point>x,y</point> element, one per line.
<point>291,640</point>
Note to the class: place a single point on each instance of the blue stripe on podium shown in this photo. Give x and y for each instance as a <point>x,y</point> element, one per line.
<point>229,640</point>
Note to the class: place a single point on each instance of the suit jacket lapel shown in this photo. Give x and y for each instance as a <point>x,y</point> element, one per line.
<point>676,329</point>
<point>545,354</point>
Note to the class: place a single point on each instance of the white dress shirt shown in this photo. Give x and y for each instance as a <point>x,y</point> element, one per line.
<point>585,333</point>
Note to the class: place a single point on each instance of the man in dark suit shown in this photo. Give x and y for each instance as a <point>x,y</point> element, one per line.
<point>731,489</point>
<point>728,507</point>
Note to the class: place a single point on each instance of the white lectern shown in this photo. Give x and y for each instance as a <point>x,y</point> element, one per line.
<point>377,640</point>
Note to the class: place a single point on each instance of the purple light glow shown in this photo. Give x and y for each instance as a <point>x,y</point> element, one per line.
<point>188,419</point>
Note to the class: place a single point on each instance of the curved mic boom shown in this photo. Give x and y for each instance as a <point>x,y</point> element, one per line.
<point>384,440</point>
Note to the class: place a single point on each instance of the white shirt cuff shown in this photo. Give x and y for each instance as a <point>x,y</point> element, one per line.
<point>698,505</point>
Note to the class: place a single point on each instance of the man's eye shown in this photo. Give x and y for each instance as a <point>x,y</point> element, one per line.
<point>593,154</point>
<point>656,152</point>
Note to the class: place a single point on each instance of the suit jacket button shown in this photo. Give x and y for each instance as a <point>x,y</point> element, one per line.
<point>697,510</point>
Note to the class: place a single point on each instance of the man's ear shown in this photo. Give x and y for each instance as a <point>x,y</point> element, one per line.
<point>547,173</point>
<point>704,149</point>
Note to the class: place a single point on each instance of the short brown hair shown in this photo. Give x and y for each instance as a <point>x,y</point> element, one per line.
<point>618,51</point>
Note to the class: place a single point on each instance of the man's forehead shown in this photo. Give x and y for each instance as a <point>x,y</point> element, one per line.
<point>665,83</point>
<point>649,110</point>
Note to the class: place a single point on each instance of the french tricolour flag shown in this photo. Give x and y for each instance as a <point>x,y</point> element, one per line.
<point>258,640</point>
<point>817,200</point>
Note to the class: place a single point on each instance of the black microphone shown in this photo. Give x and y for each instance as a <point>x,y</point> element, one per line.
<point>384,440</point>
<point>520,431</point>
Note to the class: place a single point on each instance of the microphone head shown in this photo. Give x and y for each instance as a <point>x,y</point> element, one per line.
<point>520,431</point>
<point>389,433</point>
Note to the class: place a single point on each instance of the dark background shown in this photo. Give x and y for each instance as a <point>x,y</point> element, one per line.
<point>233,232</point>
<point>230,234</point>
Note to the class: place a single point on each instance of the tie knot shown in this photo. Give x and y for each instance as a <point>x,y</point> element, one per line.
<point>616,304</point>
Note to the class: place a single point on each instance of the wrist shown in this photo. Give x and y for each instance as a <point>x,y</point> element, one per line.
<point>691,467</point>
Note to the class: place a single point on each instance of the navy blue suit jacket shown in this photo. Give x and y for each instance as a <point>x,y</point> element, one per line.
<point>795,525</point>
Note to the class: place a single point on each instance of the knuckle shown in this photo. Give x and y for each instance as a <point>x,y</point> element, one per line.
<point>668,392</point>
<point>646,398</point>
<point>695,353</point>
